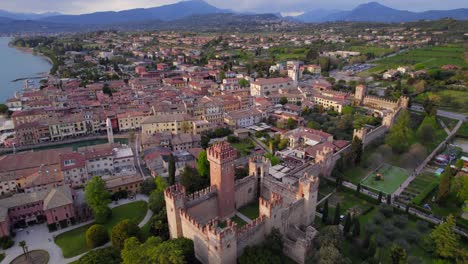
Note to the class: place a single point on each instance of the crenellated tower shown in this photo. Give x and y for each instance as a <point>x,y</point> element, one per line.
<point>175,197</point>
<point>308,189</point>
<point>222,175</point>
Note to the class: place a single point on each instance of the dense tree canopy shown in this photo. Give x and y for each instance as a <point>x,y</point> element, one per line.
<point>123,230</point>
<point>96,236</point>
<point>154,250</point>
<point>400,135</point>
<point>203,166</point>
<point>270,251</point>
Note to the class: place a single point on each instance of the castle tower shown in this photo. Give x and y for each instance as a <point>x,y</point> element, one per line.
<point>222,245</point>
<point>110,132</point>
<point>222,175</point>
<point>259,167</point>
<point>308,188</point>
<point>361,91</point>
<point>175,200</point>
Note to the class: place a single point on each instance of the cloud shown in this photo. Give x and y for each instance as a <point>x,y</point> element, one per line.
<point>86,6</point>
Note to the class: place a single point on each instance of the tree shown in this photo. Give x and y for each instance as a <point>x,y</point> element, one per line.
<point>22,244</point>
<point>222,75</point>
<point>347,224</point>
<point>148,186</point>
<point>459,164</point>
<point>398,254</point>
<point>244,83</point>
<point>356,151</point>
<point>444,185</point>
<point>389,198</point>
<point>159,225</point>
<point>203,166</point>
<point>3,109</point>
<point>358,188</point>
<point>154,250</point>
<point>156,201</point>
<point>291,123</point>
<point>270,251</point>
<point>283,100</point>
<point>123,230</point>
<point>192,181</point>
<point>161,184</point>
<point>325,212</point>
<point>106,89</point>
<point>96,236</point>
<point>400,135</point>
<point>98,198</point>
<point>356,227</point>
<point>171,169</point>
<point>445,238</point>
<point>460,187</point>
<point>336,221</point>
<point>107,255</point>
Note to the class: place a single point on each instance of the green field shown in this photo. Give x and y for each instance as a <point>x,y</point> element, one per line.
<point>378,51</point>
<point>393,177</point>
<point>251,210</point>
<point>449,100</point>
<point>426,58</point>
<point>73,242</point>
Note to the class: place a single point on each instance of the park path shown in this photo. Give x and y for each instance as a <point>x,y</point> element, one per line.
<point>39,237</point>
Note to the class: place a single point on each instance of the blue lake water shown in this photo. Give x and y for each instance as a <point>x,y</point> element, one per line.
<point>15,64</point>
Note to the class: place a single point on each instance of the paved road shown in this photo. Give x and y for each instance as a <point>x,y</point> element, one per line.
<point>459,116</point>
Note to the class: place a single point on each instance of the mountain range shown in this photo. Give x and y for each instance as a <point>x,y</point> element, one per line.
<point>375,12</point>
<point>200,13</point>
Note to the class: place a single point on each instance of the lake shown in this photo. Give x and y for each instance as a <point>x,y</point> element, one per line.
<point>15,64</point>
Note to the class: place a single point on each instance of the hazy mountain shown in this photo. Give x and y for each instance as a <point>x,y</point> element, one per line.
<point>26,16</point>
<point>375,12</point>
<point>315,15</point>
<point>165,13</point>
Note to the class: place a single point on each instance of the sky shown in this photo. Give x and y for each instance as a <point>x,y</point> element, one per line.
<point>285,6</point>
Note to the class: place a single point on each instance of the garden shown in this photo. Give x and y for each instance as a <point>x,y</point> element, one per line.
<point>386,178</point>
<point>73,242</point>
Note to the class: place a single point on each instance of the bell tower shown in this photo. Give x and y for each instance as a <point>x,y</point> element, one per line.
<point>110,132</point>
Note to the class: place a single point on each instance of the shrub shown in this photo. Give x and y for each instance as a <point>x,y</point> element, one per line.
<point>123,230</point>
<point>412,236</point>
<point>6,242</point>
<point>52,227</point>
<point>96,236</point>
<point>422,226</point>
<point>378,219</point>
<point>418,199</point>
<point>386,210</point>
<point>381,240</point>
<point>400,221</point>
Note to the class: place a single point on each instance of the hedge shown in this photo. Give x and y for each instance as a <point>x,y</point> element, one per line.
<point>461,222</point>
<point>418,199</point>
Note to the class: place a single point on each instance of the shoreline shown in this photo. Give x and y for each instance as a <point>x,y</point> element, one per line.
<point>32,52</point>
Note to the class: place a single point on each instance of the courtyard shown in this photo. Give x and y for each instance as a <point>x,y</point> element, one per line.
<point>386,178</point>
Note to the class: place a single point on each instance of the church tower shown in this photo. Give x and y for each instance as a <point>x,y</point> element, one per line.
<point>222,175</point>
<point>110,132</point>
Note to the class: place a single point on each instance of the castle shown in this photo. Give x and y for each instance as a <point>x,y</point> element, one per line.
<point>206,216</point>
<point>388,109</point>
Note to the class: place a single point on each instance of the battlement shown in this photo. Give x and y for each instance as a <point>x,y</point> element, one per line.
<point>201,193</point>
<point>250,227</point>
<point>372,98</point>
<point>191,220</point>
<point>275,201</point>
<point>176,191</point>
<point>221,152</point>
<point>221,234</point>
<point>258,159</point>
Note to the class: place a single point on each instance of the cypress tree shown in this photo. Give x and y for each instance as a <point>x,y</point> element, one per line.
<point>389,199</point>
<point>358,189</point>
<point>379,200</point>
<point>337,215</point>
<point>356,227</point>
<point>347,224</point>
<point>325,212</point>
<point>171,170</point>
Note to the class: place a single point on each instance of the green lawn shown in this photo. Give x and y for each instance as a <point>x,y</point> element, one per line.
<point>238,221</point>
<point>393,177</point>
<point>449,122</point>
<point>427,58</point>
<point>73,242</point>
<point>251,210</point>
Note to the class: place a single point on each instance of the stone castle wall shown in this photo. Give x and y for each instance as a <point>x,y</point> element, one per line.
<point>246,191</point>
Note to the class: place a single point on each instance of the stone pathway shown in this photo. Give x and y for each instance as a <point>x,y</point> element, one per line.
<point>39,237</point>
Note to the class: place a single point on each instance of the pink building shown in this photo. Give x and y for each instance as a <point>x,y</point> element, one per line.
<point>54,205</point>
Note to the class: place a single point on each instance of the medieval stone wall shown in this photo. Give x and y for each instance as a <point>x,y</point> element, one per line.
<point>251,234</point>
<point>246,191</point>
<point>204,208</point>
